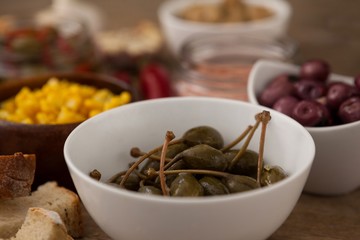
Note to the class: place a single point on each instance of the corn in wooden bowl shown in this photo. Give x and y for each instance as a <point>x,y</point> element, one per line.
<point>37,114</point>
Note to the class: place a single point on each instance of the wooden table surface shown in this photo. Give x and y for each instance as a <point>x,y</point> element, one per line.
<point>327,29</point>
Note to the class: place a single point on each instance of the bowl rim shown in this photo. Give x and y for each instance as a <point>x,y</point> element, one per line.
<point>188,200</point>
<point>292,69</point>
<point>43,78</point>
<point>167,14</point>
<point>285,45</point>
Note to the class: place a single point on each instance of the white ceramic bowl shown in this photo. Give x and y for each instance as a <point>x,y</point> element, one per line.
<point>104,141</point>
<point>335,170</point>
<point>177,31</point>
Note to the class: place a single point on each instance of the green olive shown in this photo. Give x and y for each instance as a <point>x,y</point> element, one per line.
<point>132,183</point>
<point>150,190</point>
<point>213,186</point>
<point>239,183</point>
<point>186,185</point>
<point>176,166</point>
<point>154,164</point>
<point>203,156</point>
<point>173,150</point>
<point>246,165</point>
<point>271,175</point>
<point>203,135</point>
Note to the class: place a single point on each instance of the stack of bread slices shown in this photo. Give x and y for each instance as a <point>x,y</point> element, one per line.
<point>49,213</point>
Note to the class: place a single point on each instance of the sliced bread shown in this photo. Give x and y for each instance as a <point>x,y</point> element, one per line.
<point>42,224</point>
<point>16,175</point>
<point>48,196</point>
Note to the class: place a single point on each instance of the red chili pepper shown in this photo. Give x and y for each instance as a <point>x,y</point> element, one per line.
<point>84,67</point>
<point>154,81</point>
<point>123,76</point>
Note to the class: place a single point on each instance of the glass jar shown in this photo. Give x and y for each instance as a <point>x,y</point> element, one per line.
<point>28,48</point>
<point>219,66</point>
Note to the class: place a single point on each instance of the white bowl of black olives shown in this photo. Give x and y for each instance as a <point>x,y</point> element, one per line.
<point>189,168</point>
<point>327,105</point>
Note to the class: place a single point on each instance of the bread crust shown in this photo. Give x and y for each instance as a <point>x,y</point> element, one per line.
<point>48,196</point>
<point>16,175</point>
<point>41,223</point>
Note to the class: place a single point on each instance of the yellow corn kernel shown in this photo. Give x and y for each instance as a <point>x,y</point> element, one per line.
<point>67,116</point>
<point>74,102</point>
<point>22,95</point>
<point>29,107</point>
<point>27,121</point>
<point>86,91</point>
<point>4,115</point>
<point>92,104</point>
<point>46,107</point>
<point>20,114</point>
<point>59,101</point>
<point>113,102</point>
<point>117,101</point>
<point>125,97</point>
<point>103,95</point>
<point>94,112</point>
<point>9,105</point>
<point>45,118</point>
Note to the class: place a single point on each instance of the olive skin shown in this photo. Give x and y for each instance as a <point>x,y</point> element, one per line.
<point>203,156</point>
<point>246,165</point>
<point>238,183</point>
<point>203,135</point>
<point>213,186</point>
<point>150,190</point>
<point>271,175</point>
<point>186,185</point>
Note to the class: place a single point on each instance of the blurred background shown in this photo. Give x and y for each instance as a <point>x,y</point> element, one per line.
<point>321,29</point>
<point>328,29</point>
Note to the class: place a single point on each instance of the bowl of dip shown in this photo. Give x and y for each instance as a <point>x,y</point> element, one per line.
<point>181,19</point>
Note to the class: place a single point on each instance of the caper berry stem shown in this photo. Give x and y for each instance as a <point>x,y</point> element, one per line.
<point>245,145</point>
<point>136,152</point>
<point>169,136</point>
<point>174,160</point>
<point>140,160</point>
<point>115,177</point>
<point>152,172</point>
<point>237,140</point>
<point>264,118</point>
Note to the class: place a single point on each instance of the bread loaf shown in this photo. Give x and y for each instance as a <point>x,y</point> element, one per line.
<point>16,175</point>
<point>42,224</point>
<point>48,196</point>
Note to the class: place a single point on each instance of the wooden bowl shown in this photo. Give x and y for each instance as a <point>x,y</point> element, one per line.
<point>47,140</point>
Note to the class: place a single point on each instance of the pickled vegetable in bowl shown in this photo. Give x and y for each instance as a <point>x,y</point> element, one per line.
<point>199,164</point>
<point>104,142</point>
